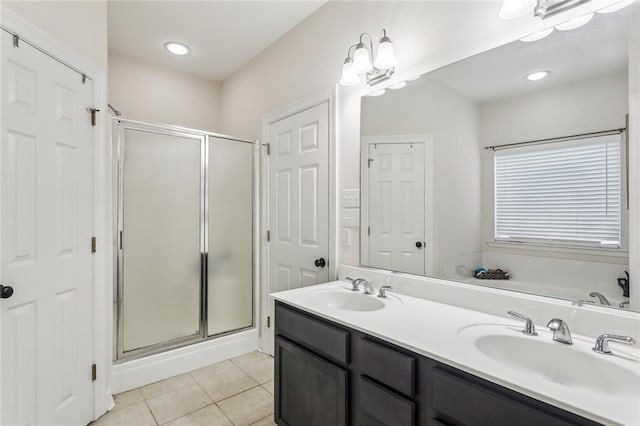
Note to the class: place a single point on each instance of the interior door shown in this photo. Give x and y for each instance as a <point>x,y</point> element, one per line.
<point>396,228</point>
<point>298,198</point>
<point>46,228</point>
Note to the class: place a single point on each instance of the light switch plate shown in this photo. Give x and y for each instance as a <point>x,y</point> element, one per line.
<point>346,237</point>
<point>350,198</point>
<point>351,218</point>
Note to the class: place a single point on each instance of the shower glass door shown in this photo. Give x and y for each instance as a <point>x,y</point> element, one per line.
<point>160,240</point>
<point>185,237</point>
<point>230,245</point>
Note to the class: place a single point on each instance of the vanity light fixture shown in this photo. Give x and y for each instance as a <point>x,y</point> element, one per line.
<point>574,23</point>
<point>512,9</point>
<point>398,85</point>
<point>538,75</point>
<point>177,48</point>
<point>538,35</point>
<point>616,6</point>
<point>362,62</point>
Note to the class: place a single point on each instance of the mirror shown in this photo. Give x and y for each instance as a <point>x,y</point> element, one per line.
<point>484,173</point>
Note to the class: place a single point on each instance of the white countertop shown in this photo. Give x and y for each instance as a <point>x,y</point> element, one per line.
<point>437,331</point>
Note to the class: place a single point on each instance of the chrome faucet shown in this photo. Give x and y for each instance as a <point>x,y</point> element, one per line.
<point>623,304</point>
<point>382,291</point>
<point>356,283</point>
<point>602,342</point>
<point>561,331</point>
<point>529,327</point>
<point>603,300</point>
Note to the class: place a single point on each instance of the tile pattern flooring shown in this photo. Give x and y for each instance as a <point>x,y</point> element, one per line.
<point>236,392</point>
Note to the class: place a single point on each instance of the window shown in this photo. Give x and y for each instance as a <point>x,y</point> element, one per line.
<point>561,193</point>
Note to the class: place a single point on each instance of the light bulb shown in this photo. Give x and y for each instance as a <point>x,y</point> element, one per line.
<point>538,75</point>
<point>349,75</point>
<point>616,6</point>
<point>385,58</point>
<point>361,61</point>
<point>539,35</point>
<point>512,9</point>
<point>574,23</point>
<point>176,48</point>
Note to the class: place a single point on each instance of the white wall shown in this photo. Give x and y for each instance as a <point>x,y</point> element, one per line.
<point>80,25</point>
<point>427,35</point>
<point>149,92</point>
<point>427,106</point>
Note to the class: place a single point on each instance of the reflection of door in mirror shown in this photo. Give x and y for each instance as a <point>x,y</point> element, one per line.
<point>396,179</point>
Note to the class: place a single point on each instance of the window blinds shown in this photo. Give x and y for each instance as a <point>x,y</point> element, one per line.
<point>560,193</point>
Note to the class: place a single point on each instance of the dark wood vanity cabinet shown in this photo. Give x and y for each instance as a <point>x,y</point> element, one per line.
<point>327,375</point>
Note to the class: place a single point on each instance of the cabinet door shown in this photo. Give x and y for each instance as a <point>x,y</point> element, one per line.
<point>310,391</point>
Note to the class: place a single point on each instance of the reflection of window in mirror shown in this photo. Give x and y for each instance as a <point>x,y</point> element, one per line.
<point>560,193</point>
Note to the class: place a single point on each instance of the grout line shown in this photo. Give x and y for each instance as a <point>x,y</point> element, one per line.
<point>153,416</point>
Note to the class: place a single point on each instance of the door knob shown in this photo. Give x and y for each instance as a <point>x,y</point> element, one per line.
<point>320,263</point>
<point>419,244</point>
<point>6,291</point>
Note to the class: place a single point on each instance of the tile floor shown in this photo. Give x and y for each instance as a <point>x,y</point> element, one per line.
<point>236,392</point>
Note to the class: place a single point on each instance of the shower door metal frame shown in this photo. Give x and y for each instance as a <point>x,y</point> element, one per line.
<point>119,125</point>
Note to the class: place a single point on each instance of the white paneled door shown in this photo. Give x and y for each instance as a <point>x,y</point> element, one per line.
<point>396,198</point>
<point>299,200</point>
<point>46,156</point>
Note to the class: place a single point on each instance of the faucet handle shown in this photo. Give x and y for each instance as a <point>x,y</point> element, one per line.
<point>529,327</point>
<point>382,291</point>
<point>602,342</point>
<point>560,330</point>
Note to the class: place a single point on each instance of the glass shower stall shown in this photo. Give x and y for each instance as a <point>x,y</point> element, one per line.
<point>184,234</point>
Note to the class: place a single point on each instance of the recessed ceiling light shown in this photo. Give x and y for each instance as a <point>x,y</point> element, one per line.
<point>377,92</point>
<point>413,77</point>
<point>539,35</point>
<point>616,6</point>
<point>574,23</point>
<point>398,85</point>
<point>538,75</point>
<point>177,48</point>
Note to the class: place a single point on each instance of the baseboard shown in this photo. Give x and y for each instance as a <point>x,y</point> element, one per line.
<point>139,372</point>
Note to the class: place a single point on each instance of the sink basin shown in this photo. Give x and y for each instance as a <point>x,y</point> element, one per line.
<point>569,365</point>
<point>346,300</point>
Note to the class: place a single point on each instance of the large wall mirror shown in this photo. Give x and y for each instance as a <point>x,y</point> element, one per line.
<point>507,169</point>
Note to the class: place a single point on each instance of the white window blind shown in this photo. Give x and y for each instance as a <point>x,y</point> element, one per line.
<point>560,193</point>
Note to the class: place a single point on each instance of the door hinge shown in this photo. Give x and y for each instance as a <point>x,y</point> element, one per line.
<point>369,161</point>
<point>268,322</point>
<point>93,244</point>
<point>16,40</point>
<point>268,236</point>
<point>268,146</point>
<point>93,111</point>
<point>368,230</point>
<point>94,372</point>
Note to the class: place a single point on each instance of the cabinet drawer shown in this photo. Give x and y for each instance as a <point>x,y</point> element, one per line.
<point>463,401</point>
<point>386,365</point>
<point>378,406</point>
<point>313,333</point>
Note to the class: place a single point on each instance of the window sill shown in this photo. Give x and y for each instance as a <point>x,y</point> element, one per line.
<point>591,251</point>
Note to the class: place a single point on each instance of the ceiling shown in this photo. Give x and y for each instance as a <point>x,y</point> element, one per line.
<point>598,48</point>
<point>222,35</point>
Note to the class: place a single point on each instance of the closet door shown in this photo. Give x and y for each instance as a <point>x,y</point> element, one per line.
<point>160,243</point>
<point>230,236</point>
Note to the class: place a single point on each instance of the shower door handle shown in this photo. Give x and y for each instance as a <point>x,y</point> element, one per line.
<point>320,263</point>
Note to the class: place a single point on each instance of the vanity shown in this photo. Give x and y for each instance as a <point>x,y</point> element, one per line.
<point>347,358</point>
